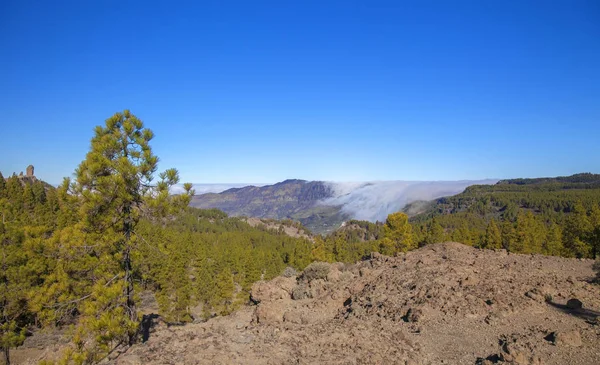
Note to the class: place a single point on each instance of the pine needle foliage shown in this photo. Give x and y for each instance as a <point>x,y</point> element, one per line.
<point>112,190</point>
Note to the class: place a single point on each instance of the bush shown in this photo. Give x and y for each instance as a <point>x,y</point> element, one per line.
<point>290,272</point>
<point>316,270</point>
<point>300,292</point>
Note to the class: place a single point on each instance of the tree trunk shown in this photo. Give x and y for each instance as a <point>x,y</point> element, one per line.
<point>6,356</point>
<point>130,302</point>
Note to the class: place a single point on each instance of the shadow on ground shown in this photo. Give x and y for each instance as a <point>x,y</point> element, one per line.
<point>148,322</point>
<point>580,312</point>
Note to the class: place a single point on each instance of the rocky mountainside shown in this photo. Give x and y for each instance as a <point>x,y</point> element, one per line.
<point>323,206</point>
<point>442,304</point>
<point>292,199</point>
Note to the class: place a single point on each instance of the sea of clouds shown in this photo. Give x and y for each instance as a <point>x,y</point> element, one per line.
<point>373,201</point>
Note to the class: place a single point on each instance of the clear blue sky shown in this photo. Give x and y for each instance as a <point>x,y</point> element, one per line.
<point>253,91</point>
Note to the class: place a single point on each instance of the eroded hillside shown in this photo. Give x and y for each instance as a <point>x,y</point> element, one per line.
<point>442,304</point>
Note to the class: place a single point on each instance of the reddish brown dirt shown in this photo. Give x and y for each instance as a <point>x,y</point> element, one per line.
<point>442,304</point>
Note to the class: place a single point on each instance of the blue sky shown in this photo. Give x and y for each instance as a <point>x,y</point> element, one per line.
<point>253,91</point>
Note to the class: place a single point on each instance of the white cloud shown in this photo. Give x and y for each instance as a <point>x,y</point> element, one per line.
<point>373,201</point>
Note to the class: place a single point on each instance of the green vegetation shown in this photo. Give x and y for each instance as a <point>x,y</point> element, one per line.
<point>552,216</point>
<point>79,255</point>
<point>316,270</point>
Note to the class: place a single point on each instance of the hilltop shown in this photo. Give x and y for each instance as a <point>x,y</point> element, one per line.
<point>540,195</point>
<point>444,303</point>
<point>289,199</point>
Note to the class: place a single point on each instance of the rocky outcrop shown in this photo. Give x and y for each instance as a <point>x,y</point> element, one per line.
<point>299,200</point>
<point>442,304</point>
<point>28,177</point>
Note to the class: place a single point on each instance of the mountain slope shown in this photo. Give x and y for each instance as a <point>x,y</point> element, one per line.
<point>555,216</point>
<point>323,206</point>
<point>293,199</point>
<point>542,195</point>
<point>445,303</point>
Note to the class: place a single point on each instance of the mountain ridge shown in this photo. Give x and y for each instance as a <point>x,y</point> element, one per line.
<point>322,206</point>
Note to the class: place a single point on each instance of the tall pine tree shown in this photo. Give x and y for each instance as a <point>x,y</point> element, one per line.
<point>113,189</point>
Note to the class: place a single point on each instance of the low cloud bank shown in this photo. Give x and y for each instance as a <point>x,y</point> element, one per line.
<point>373,201</point>
<point>209,188</point>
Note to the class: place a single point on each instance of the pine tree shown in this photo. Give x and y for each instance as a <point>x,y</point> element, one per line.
<point>2,186</point>
<point>252,270</point>
<point>224,290</point>
<point>339,249</point>
<point>435,233</point>
<point>29,198</point>
<point>39,192</point>
<point>14,283</point>
<point>553,244</point>
<point>493,238</point>
<point>113,188</point>
<point>508,236</point>
<point>14,194</point>
<point>577,231</point>
<point>595,231</point>
<point>113,181</point>
<point>463,234</point>
<point>397,234</point>
<point>319,251</point>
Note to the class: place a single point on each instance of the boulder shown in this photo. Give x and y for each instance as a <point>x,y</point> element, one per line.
<point>269,313</point>
<point>276,289</point>
<point>566,338</point>
<point>574,304</point>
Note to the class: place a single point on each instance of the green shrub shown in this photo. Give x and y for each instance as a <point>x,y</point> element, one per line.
<point>316,270</point>
<point>290,272</point>
<point>301,292</point>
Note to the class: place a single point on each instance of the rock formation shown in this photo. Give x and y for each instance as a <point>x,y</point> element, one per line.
<point>30,171</point>
<point>441,304</point>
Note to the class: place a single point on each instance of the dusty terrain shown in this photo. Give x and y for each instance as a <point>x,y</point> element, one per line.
<point>442,304</point>
<point>276,225</point>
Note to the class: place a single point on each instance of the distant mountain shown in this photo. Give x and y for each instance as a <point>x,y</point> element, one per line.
<point>323,206</point>
<point>547,196</point>
<point>293,199</point>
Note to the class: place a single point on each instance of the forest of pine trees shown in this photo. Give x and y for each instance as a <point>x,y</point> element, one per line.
<point>550,216</point>
<point>80,255</point>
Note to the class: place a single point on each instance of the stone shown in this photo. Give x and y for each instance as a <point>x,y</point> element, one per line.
<point>272,313</point>
<point>569,338</point>
<point>276,289</point>
<point>30,171</point>
<point>574,304</point>
<point>414,315</point>
<point>535,295</point>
